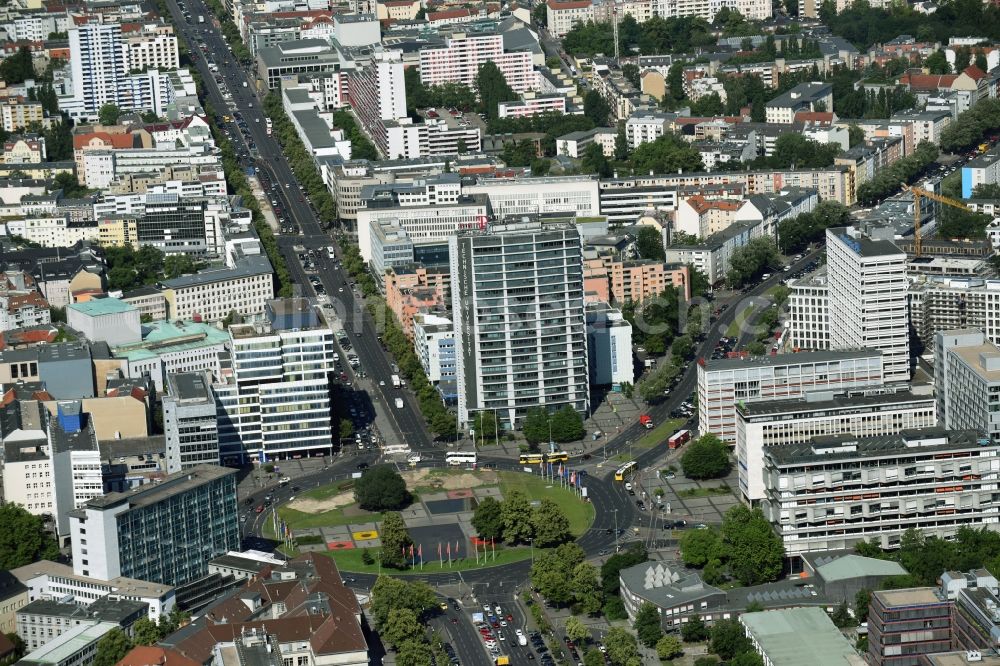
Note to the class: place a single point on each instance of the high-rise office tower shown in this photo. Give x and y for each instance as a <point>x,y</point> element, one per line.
<point>867,297</point>
<point>520,326</point>
<point>274,395</point>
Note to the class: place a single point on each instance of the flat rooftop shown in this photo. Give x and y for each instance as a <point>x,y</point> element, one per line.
<point>160,337</point>
<point>173,484</point>
<point>189,386</point>
<point>96,307</point>
<point>914,596</point>
<point>974,357</point>
<point>798,358</point>
<point>819,402</point>
<point>843,447</point>
<point>960,658</point>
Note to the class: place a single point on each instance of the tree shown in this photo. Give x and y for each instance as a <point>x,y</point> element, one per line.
<point>112,647</point>
<point>694,630</point>
<point>728,639</point>
<point>549,524</point>
<point>706,458</point>
<point>587,589</point>
<point>346,429</point>
<point>492,88</point>
<point>395,539</point>
<point>17,68</point>
<point>631,73</point>
<point>576,630</point>
<point>747,659</point>
<point>596,108</point>
<point>647,625</point>
<point>621,647</point>
<point>485,424</point>
<point>593,657</point>
<point>176,265</point>
<point>515,514</point>
<point>381,488</point>
<point>699,547</point>
<point>756,553</point>
<point>668,647</point>
<point>980,61</point>
<point>23,538</point>
<point>535,426</point>
<point>488,519</point>
<point>68,183</point>
<point>146,632</point>
<point>937,63</point>
<point>861,602</point>
<point>649,243</point>
<point>595,162</point>
<point>109,114</point>
<point>390,593</point>
<point>401,625</point>
<point>631,556</point>
<point>567,425</point>
<point>668,154</point>
<point>552,573</point>
<point>842,617</point>
<point>414,653</point>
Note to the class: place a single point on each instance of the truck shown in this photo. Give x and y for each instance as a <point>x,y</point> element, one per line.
<point>395,381</point>
<point>678,439</point>
<point>647,421</point>
<point>201,18</point>
<point>399,403</point>
<point>246,85</point>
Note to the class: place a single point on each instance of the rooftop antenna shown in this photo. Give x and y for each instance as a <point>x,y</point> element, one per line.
<point>614,24</point>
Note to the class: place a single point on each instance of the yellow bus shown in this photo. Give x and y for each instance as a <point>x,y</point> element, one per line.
<point>530,459</point>
<point>557,456</point>
<point>625,471</point>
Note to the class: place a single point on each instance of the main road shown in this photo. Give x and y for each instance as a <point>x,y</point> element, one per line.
<point>349,304</point>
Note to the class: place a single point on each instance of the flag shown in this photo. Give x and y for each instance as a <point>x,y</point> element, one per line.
<point>449,550</point>
<point>572,478</point>
<point>439,550</point>
<point>456,547</point>
<point>411,550</point>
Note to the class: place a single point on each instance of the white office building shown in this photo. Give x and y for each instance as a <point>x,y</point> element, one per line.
<point>809,311</point>
<point>555,194</point>
<point>868,292</point>
<point>274,396</point>
<point>420,222</point>
<point>862,413</point>
<point>724,383</point>
<point>520,328</point>
<point>609,346</point>
<point>967,381</point>
<point>434,342</point>
<point>646,127</point>
<point>835,491</point>
<point>190,423</point>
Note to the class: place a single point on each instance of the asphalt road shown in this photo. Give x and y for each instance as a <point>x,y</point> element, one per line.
<point>733,307</point>
<point>360,326</point>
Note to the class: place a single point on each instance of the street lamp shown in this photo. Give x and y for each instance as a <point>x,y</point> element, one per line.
<point>616,529</point>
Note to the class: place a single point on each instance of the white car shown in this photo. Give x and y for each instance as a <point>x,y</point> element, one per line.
<point>628,485</point>
<point>486,608</point>
<point>498,611</point>
<point>500,635</point>
<point>503,623</point>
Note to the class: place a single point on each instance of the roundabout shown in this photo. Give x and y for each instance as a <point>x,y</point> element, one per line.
<point>325,519</point>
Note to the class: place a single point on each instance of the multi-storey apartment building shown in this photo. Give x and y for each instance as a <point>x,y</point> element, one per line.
<point>274,402</point>
<point>723,383</point>
<point>787,422</point>
<point>967,381</point>
<point>378,95</point>
<point>163,532</point>
<point>154,47</point>
<point>838,490</point>
<point>562,15</point>
<point>808,311</point>
<point>948,303</point>
<point>190,422</point>
<point>17,114</point>
<point>903,625</point>
<point>212,295</point>
<point>459,59</point>
<point>517,305</point>
<point>756,10</point>
<point>867,296</point>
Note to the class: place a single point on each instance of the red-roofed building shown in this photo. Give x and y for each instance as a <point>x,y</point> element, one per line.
<point>146,655</point>
<point>918,82</point>
<point>562,15</point>
<point>398,10</point>
<point>701,217</point>
<point>451,16</point>
<point>302,608</point>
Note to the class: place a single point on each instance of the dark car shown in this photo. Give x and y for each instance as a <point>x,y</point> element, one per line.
<point>362,465</point>
<point>249,501</point>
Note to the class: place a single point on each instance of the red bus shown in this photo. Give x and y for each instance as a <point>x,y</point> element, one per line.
<point>678,439</point>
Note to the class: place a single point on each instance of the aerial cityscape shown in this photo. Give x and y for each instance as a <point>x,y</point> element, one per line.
<point>457,332</point>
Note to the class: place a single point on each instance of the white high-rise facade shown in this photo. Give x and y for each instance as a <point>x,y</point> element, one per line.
<point>274,400</point>
<point>868,298</point>
<point>99,63</point>
<point>520,327</point>
<point>967,381</point>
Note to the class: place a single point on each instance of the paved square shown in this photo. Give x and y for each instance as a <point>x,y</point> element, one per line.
<point>438,507</point>
<point>430,536</point>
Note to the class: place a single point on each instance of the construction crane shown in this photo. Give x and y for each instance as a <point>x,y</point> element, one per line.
<point>917,194</point>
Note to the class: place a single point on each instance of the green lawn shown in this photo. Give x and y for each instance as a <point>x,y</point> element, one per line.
<point>300,520</point>
<point>326,492</point>
<point>734,328</point>
<point>659,434</point>
<point>579,513</point>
